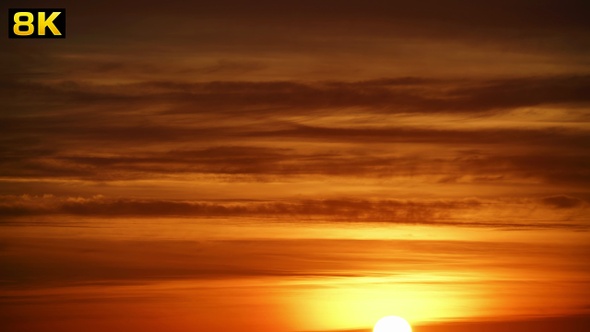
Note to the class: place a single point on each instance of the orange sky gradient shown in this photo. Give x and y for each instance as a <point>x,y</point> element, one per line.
<point>293,166</point>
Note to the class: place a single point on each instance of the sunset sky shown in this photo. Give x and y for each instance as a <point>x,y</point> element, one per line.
<point>290,166</point>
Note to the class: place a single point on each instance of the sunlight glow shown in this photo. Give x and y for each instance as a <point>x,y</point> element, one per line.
<point>392,324</point>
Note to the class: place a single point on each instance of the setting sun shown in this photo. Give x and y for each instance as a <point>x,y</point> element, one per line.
<point>392,324</point>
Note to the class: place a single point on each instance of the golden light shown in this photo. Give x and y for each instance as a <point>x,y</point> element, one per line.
<point>392,324</point>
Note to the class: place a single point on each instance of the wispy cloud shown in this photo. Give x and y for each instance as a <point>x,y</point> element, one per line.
<point>88,261</point>
<point>562,202</point>
<point>549,212</point>
<point>396,95</point>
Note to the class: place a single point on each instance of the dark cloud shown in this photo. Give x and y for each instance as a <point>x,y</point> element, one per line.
<point>400,95</point>
<point>38,262</point>
<point>499,136</point>
<point>564,169</point>
<point>562,202</point>
<point>457,212</point>
<point>67,113</point>
<point>224,66</point>
<point>77,262</point>
<point>401,211</point>
<point>99,152</point>
<point>397,95</point>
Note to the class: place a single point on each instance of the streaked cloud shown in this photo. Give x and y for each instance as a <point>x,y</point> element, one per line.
<point>388,95</point>
<point>562,202</point>
<point>95,261</point>
<point>549,212</point>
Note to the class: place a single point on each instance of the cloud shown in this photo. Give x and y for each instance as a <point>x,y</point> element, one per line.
<point>44,262</point>
<point>395,95</point>
<point>499,136</point>
<point>469,212</point>
<point>102,155</point>
<point>224,66</point>
<point>562,202</point>
<point>339,209</point>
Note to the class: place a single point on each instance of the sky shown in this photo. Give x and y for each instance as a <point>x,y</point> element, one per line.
<point>297,166</point>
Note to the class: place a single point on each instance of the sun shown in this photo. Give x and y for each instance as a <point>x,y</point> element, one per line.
<point>392,324</point>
